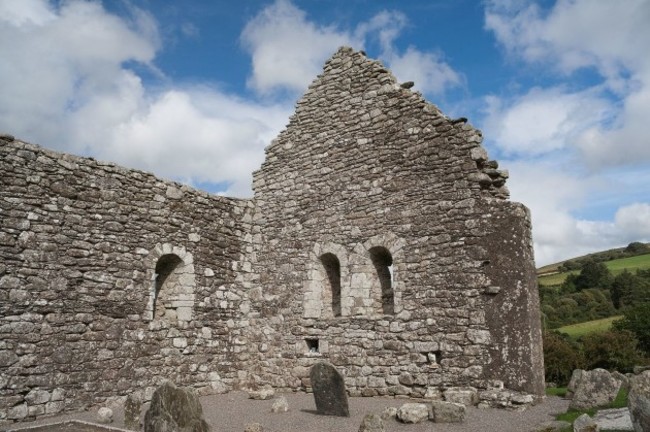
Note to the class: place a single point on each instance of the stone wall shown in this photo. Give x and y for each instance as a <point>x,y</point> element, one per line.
<point>380,238</point>
<point>80,243</point>
<point>388,246</point>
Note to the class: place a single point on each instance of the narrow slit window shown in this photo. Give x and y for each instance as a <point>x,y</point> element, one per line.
<point>383,262</point>
<point>333,270</point>
<point>166,286</point>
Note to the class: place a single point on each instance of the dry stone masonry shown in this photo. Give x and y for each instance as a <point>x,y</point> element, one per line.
<point>379,239</point>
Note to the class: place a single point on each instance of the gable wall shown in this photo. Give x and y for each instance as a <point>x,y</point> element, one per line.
<point>366,163</point>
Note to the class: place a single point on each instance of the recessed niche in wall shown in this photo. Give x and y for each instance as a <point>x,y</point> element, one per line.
<point>312,345</point>
<point>433,358</point>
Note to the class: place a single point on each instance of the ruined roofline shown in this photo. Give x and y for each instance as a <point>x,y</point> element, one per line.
<point>68,160</point>
<point>489,177</point>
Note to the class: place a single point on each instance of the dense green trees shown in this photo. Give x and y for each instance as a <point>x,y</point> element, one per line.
<point>591,294</point>
<point>636,319</point>
<point>612,350</point>
<point>561,357</point>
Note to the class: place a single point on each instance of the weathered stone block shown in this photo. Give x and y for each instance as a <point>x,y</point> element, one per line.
<point>447,412</point>
<point>594,388</point>
<point>413,413</point>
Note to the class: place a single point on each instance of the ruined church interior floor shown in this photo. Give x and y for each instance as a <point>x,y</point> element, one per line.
<point>231,412</point>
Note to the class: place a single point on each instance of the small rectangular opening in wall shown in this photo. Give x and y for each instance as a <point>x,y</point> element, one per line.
<point>312,345</point>
<point>434,358</point>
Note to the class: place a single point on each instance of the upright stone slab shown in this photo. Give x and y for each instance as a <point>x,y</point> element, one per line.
<point>132,407</point>
<point>329,390</point>
<point>174,409</point>
<point>639,401</point>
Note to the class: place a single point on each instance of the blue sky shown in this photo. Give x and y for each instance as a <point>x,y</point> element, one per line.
<point>194,90</point>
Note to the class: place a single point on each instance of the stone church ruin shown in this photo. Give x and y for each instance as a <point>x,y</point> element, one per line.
<point>380,238</point>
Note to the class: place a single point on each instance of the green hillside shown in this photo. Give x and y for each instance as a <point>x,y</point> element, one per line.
<point>617,266</point>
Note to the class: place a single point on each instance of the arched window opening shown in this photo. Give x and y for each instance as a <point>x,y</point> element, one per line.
<point>333,270</point>
<point>167,286</point>
<point>383,262</point>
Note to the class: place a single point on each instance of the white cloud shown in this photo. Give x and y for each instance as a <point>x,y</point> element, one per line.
<point>553,195</point>
<point>634,221</point>
<point>581,139</point>
<point>61,61</point>
<point>70,89</point>
<point>201,135</point>
<point>542,120</point>
<point>287,50</point>
<point>598,34</point>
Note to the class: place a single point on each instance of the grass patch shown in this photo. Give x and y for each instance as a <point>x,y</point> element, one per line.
<point>554,279</point>
<point>572,414</point>
<point>596,326</point>
<point>556,391</point>
<point>621,399</point>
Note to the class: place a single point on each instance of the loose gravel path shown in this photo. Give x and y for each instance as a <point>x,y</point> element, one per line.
<point>231,412</point>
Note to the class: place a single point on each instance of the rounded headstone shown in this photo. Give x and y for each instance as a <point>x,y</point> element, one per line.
<point>329,390</point>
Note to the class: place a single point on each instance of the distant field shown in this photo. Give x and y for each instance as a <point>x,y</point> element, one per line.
<point>597,326</point>
<point>641,262</point>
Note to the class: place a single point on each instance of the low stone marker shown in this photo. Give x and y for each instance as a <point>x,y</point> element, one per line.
<point>174,408</point>
<point>639,401</point>
<point>584,423</point>
<point>617,419</point>
<point>447,412</point>
<point>413,413</point>
<point>132,408</point>
<point>329,390</point>
<point>372,423</point>
<point>595,388</point>
<point>105,415</point>
<point>280,405</point>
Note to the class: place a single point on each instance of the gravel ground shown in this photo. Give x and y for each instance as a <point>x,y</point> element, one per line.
<point>231,412</point>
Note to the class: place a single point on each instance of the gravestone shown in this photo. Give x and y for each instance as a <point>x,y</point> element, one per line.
<point>329,390</point>
<point>132,407</point>
<point>174,409</point>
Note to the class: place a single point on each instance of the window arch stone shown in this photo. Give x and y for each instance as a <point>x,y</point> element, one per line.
<point>170,270</point>
<point>326,293</point>
<point>380,261</point>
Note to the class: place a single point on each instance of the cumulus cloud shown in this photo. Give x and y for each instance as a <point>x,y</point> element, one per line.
<point>200,135</point>
<point>543,120</point>
<point>69,88</point>
<point>554,195</point>
<point>586,34</point>
<point>580,139</point>
<point>288,50</point>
